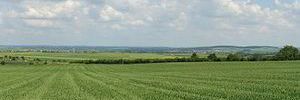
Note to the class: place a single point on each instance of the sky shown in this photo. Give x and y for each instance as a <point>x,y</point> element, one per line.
<point>171,23</point>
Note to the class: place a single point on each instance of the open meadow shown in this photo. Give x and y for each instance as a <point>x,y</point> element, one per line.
<point>168,81</point>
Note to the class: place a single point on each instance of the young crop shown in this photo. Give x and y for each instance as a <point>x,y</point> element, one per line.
<point>168,81</point>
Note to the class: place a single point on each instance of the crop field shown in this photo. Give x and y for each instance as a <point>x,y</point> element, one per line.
<point>105,55</point>
<point>85,56</point>
<point>168,81</point>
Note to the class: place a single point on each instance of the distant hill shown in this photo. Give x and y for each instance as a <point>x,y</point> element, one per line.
<point>226,49</point>
<point>245,49</point>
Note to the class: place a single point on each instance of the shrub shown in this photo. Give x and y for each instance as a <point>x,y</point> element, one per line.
<point>212,57</point>
<point>23,58</point>
<point>45,62</point>
<point>255,57</point>
<point>13,58</point>
<point>233,57</point>
<point>36,59</point>
<point>194,56</point>
<point>2,62</point>
<point>31,63</point>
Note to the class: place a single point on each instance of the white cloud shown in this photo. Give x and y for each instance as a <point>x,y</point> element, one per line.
<point>45,14</point>
<point>132,13</point>
<point>232,6</point>
<point>294,5</point>
<point>49,10</point>
<point>117,27</point>
<point>108,13</point>
<point>246,8</point>
<point>249,11</point>
<point>137,22</point>
<point>196,19</point>
<point>40,22</point>
<point>180,22</point>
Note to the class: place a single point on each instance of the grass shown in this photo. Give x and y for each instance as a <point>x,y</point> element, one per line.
<point>170,81</point>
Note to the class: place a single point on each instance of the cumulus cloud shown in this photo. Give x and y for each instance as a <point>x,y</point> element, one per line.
<point>50,10</point>
<point>46,14</point>
<point>180,22</point>
<point>192,20</point>
<point>251,12</point>
<point>108,13</point>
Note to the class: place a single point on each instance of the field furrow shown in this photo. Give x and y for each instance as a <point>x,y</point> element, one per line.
<point>19,90</point>
<point>169,81</point>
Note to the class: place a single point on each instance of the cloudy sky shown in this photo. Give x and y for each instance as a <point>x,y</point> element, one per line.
<point>173,23</point>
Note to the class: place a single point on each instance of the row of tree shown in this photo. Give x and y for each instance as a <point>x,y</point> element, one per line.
<point>286,53</point>
<point>138,61</point>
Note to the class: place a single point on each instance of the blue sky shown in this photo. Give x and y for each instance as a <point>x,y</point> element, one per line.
<point>172,23</point>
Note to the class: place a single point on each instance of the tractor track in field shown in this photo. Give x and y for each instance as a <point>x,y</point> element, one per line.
<point>118,90</point>
<point>114,83</point>
<point>154,89</point>
<point>78,88</point>
<point>257,80</point>
<point>210,89</point>
<point>42,89</point>
<point>102,88</point>
<point>133,82</point>
<point>21,87</point>
<point>220,83</point>
<point>210,84</point>
<point>27,74</point>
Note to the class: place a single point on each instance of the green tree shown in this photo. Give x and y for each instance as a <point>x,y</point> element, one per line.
<point>233,57</point>
<point>31,63</point>
<point>212,57</point>
<point>2,62</point>
<point>287,53</point>
<point>46,62</point>
<point>194,56</point>
<point>23,58</point>
<point>298,57</point>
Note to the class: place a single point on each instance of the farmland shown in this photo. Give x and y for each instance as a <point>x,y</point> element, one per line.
<point>84,56</point>
<point>172,81</point>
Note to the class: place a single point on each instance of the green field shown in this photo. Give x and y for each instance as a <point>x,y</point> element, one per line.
<point>170,81</point>
<point>97,56</point>
<point>86,56</point>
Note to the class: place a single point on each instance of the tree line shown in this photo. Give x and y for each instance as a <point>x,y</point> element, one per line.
<point>286,53</point>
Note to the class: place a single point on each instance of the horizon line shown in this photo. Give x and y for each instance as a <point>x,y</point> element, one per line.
<point>146,46</point>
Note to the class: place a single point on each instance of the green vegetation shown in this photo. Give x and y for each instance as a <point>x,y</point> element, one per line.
<point>288,53</point>
<point>194,56</point>
<point>36,75</point>
<point>213,57</point>
<point>234,57</point>
<point>85,56</point>
<point>172,81</point>
<point>2,62</point>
